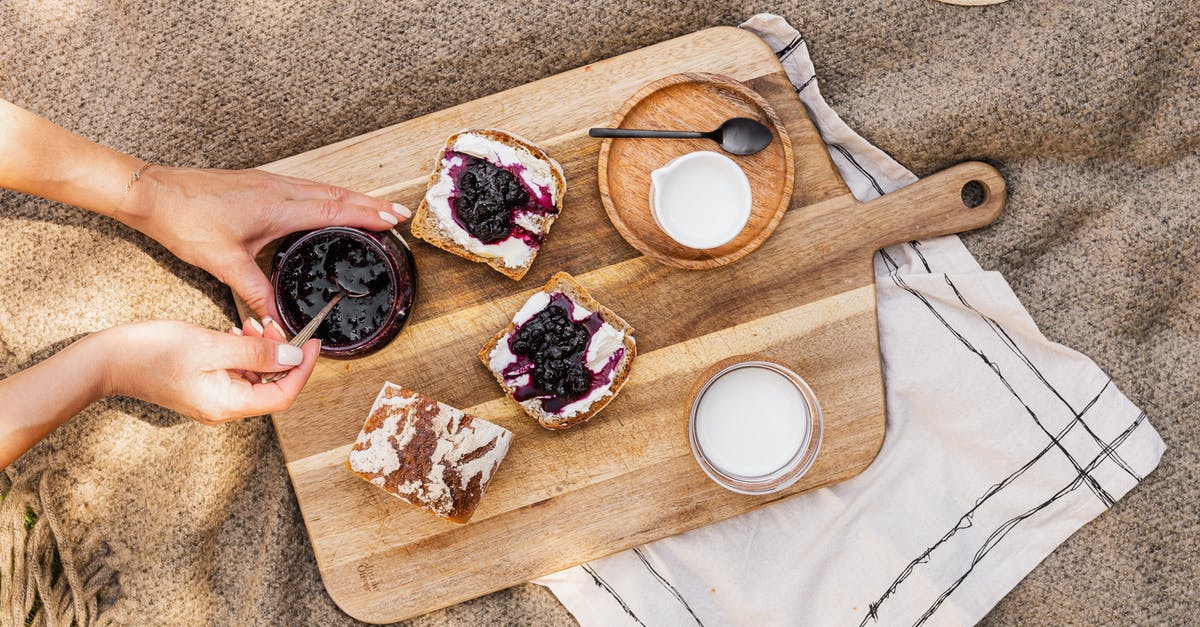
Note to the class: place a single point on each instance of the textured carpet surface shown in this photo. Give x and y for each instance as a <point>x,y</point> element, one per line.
<point>1090,109</point>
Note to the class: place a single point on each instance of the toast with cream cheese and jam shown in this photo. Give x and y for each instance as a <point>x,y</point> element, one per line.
<point>564,356</point>
<point>492,198</point>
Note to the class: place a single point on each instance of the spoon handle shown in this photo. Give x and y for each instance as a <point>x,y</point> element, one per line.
<point>306,333</point>
<point>632,132</point>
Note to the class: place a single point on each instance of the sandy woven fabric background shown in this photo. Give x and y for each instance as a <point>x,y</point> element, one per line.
<point>1090,108</point>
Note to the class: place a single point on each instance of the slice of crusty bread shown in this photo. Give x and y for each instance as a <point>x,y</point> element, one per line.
<point>447,478</point>
<point>565,283</point>
<point>426,226</point>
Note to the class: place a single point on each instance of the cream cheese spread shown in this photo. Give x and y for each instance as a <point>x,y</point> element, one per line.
<point>535,173</point>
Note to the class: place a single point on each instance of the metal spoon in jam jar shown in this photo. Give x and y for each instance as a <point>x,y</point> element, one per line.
<point>306,333</point>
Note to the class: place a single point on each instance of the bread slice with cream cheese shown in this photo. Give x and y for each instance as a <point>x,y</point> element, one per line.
<point>607,356</point>
<point>440,222</point>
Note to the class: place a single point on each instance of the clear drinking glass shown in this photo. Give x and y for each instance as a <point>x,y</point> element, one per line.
<point>799,463</point>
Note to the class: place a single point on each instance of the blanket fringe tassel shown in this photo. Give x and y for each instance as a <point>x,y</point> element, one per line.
<point>44,582</point>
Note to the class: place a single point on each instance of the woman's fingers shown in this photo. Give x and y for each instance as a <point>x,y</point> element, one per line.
<point>268,328</point>
<point>247,280</point>
<point>249,376</point>
<point>272,330</point>
<point>265,398</point>
<point>316,191</point>
<point>315,213</point>
<point>256,354</point>
<point>252,327</point>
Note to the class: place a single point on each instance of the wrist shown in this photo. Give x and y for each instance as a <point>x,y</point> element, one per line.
<point>95,178</point>
<point>100,353</point>
<point>38,157</point>
<point>145,186</point>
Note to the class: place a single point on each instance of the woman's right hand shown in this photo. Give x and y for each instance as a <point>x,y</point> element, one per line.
<point>206,375</point>
<point>219,220</point>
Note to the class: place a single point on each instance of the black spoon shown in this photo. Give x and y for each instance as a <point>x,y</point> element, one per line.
<point>738,136</point>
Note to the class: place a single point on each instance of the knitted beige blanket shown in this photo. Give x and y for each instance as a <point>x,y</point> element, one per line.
<point>1090,109</point>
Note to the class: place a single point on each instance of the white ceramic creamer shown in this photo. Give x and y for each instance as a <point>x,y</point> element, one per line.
<point>701,199</point>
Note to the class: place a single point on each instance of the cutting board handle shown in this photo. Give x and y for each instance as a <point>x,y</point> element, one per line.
<point>935,205</point>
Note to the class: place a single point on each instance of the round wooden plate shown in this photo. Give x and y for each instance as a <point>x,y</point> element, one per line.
<point>692,101</point>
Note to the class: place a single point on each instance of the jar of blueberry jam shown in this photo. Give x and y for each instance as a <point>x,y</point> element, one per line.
<point>311,267</point>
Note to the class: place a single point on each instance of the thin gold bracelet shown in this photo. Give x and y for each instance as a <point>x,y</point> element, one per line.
<point>137,174</point>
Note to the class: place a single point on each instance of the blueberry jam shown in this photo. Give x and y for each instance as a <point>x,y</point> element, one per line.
<point>308,277</point>
<point>552,348</point>
<point>555,344</point>
<point>488,198</point>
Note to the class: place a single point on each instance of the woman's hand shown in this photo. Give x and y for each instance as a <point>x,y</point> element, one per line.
<point>204,374</point>
<point>220,219</point>
<point>216,219</point>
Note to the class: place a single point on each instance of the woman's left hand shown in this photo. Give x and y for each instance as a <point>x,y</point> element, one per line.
<point>209,376</point>
<point>220,219</point>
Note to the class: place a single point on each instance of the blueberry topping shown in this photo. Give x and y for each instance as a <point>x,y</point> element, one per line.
<point>486,198</point>
<point>355,266</point>
<point>310,275</point>
<point>556,345</point>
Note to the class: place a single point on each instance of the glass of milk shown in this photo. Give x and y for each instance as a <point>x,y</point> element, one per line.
<point>755,426</point>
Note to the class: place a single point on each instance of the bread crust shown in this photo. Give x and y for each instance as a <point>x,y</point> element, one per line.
<point>565,283</point>
<point>425,225</point>
<point>458,500</point>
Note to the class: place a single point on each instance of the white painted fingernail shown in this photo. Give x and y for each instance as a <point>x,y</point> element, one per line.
<point>389,218</point>
<point>256,325</point>
<point>401,210</point>
<point>267,321</point>
<point>235,331</point>
<point>288,355</point>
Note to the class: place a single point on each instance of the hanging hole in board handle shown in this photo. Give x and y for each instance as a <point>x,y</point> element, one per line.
<point>974,194</point>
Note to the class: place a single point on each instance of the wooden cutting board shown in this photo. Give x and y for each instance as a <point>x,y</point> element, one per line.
<point>805,298</point>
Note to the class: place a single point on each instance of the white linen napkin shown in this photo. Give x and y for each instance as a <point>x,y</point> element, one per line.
<point>1000,444</point>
